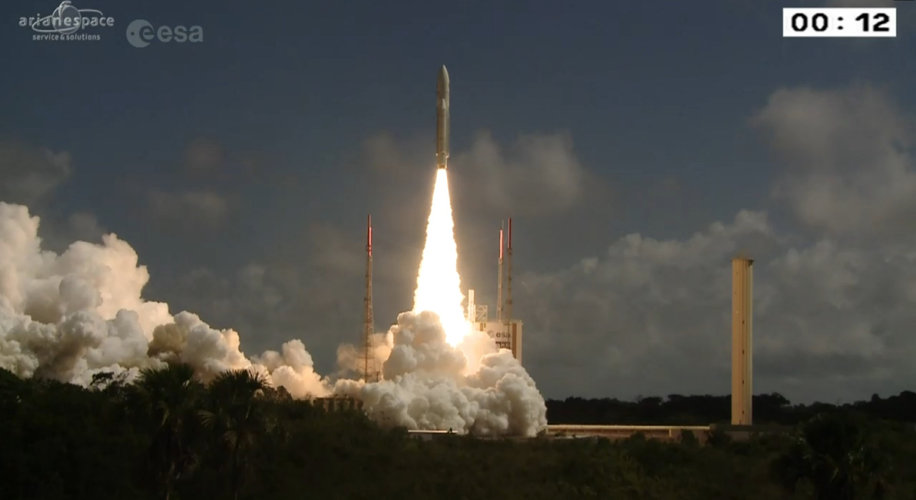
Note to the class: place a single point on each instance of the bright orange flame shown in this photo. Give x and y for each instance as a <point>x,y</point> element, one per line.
<point>438,283</point>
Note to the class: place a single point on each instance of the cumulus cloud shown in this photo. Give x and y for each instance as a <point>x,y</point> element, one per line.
<point>835,320</point>
<point>84,226</point>
<point>385,155</point>
<point>653,316</point>
<point>308,286</point>
<point>539,173</point>
<point>30,175</point>
<point>834,297</point>
<point>847,157</point>
<point>202,156</point>
<point>201,209</point>
<point>27,174</point>
<point>57,232</point>
<point>640,315</point>
<point>833,306</point>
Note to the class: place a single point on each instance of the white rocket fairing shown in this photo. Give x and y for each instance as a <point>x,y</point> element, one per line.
<point>442,119</point>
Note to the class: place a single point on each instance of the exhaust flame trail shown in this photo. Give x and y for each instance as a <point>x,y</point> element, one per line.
<point>438,283</point>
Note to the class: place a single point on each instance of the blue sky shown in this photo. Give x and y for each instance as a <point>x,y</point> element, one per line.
<point>264,146</point>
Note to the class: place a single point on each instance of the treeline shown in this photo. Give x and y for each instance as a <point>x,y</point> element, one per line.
<point>167,436</point>
<point>703,410</point>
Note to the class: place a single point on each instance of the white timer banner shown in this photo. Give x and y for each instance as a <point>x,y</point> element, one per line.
<point>839,22</point>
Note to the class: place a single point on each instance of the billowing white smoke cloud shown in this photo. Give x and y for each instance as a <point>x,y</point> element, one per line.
<point>428,384</point>
<point>72,315</point>
<point>69,316</point>
<point>292,368</point>
<point>350,358</point>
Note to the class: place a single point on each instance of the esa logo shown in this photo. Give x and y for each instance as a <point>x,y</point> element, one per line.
<point>140,33</point>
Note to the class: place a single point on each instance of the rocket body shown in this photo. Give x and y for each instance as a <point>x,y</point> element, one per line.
<point>442,104</point>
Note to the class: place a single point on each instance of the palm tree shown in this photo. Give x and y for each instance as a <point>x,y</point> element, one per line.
<point>237,418</point>
<point>169,397</point>
<point>833,453</point>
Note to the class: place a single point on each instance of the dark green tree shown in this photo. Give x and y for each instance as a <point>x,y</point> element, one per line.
<point>832,452</point>
<point>169,397</point>
<point>236,416</point>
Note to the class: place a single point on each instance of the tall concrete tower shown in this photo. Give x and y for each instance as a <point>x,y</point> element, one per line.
<point>742,340</point>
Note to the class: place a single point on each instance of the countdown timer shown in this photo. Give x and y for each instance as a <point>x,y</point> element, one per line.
<point>839,22</point>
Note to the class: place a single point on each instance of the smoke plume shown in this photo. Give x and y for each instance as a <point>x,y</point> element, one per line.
<point>71,315</point>
<point>428,384</point>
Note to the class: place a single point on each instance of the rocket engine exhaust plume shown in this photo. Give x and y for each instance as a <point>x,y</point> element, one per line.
<point>438,283</point>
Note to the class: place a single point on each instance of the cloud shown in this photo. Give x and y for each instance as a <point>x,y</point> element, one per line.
<point>310,289</point>
<point>836,320</point>
<point>200,209</point>
<point>28,174</point>
<point>650,314</point>
<point>58,233</point>
<point>84,226</point>
<point>847,158</point>
<point>385,155</point>
<point>539,173</point>
<point>834,296</point>
<point>639,318</point>
<point>203,156</point>
<point>653,316</point>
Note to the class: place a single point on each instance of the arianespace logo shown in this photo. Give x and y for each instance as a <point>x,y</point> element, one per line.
<point>66,23</point>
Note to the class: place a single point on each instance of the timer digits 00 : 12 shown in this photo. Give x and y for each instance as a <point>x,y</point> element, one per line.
<point>839,22</point>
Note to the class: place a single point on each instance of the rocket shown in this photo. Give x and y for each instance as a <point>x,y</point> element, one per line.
<point>442,119</point>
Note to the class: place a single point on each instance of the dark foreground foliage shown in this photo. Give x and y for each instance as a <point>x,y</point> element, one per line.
<point>703,410</point>
<point>168,436</point>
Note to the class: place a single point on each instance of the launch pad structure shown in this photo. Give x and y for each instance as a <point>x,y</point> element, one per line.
<point>506,330</point>
<point>368,316</point>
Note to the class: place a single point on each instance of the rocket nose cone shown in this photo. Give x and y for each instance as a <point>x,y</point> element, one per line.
<point>443,75</point>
